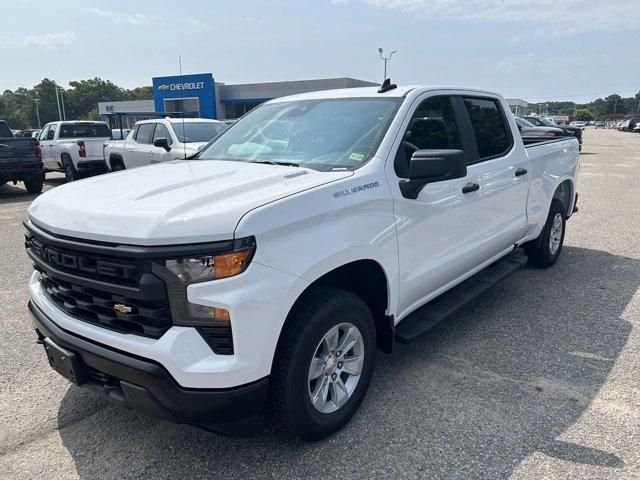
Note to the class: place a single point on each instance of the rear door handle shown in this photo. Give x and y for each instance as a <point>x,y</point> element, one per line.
<point>520,172</point>
<point>470,187</point>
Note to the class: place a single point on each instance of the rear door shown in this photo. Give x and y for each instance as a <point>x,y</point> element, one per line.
<point>138,149</point>
<point>502,168</point>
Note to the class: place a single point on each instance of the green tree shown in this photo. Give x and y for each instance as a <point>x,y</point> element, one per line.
<point>84,95</point>
<point>584,115</point>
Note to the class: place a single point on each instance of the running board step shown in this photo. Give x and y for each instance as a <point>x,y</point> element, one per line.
<point>428,316</point>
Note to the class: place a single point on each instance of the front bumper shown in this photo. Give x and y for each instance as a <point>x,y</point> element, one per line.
<point>145,386</point>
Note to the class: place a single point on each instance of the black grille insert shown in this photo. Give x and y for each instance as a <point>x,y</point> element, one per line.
<point>95,306</point>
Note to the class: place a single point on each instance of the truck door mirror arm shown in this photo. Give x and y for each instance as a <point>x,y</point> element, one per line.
<point>430,166</point>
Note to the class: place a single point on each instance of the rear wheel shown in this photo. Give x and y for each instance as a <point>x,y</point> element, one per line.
<point>117,166</point>
<point>70,173</point>
<point>34,184</point>
<point>324,363</point>
<point>545,250</point>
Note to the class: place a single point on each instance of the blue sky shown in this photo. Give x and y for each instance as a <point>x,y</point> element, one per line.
<point>532,49</point>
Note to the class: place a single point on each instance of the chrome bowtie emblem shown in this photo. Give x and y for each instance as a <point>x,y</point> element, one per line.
<point>120,308</point>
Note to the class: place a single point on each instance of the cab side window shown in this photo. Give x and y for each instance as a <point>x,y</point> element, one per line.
<point>162,132</point>
<point>432,126</point>
<point>144,133</point>
<point>489,126</point>
<point>44,133</point>
<point>52,132</point>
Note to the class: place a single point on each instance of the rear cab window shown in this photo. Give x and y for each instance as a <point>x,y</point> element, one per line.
<point>84,130</point>
<point>490,127</point>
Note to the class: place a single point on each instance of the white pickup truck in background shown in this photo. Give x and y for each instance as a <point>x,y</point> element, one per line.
<point>160,140</point>
<point>270,268</point>
<point>74,148</point>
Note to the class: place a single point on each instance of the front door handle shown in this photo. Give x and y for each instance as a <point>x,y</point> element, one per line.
<point>470,187</point>
<point>520,172</point>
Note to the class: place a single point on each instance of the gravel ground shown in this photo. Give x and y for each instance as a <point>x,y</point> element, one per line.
<point>537,379</point>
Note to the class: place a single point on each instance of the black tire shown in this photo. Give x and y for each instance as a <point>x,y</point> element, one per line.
<point>540,252</point>
<point>34,184</point>
<point>70,173</point>
<point>321,309</point>
<point>116,166</point>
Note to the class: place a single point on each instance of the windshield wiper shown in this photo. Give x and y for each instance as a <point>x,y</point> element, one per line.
<point>271,162</point>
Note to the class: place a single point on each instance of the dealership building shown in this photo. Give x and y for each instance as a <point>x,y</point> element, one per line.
<point>201,96</point>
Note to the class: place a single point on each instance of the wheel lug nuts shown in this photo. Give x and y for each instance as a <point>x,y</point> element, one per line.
<point>334,376</point>
<point>339,364</point>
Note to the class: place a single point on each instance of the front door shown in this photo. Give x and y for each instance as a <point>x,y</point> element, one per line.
<point>437,231</point>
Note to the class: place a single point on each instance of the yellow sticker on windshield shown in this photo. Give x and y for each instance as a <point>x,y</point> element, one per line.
<point>356,156</point>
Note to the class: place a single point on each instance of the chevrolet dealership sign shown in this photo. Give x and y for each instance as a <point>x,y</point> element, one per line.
<point>181,86</point>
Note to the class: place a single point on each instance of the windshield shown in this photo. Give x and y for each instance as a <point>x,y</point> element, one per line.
<point>327,134</point>
<point>189,132</point>
<point>548,122</point>
<point>84,130</point>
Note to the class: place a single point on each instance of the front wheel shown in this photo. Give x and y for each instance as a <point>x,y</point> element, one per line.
<point>323,364</point>
<point>544,251</point>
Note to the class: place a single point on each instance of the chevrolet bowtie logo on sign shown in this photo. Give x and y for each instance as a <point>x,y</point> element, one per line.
<point>163,87</point>
<point>120,308</point>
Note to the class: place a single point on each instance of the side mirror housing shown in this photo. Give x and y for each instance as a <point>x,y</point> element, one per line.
<point>430,166</point>
<point>162,143</point>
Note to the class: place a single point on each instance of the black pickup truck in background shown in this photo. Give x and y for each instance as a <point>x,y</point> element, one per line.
<point>20,160</point>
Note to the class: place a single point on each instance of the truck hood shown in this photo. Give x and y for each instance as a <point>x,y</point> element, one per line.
<point>170,203</point>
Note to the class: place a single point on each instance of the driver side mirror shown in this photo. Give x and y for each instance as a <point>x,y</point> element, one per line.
<point>430,166</point>
<point>162,143</point>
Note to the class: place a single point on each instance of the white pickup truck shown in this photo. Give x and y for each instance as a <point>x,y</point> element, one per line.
<point>74,147</point>
<point>160,140</point>
<point>269,269</point>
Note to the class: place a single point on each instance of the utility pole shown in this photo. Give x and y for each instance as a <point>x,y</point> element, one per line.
<point>385,60</point>
<point>64,115</point>
<point>58,102</point>
<point>36,100</point>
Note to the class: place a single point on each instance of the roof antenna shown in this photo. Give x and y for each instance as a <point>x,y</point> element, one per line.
<point>184,136</point>
<point>386,86</point>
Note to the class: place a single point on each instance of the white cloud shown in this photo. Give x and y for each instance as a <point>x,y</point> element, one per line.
<point>127,18</point>
<point>50,40</point>
<point>566,16</point>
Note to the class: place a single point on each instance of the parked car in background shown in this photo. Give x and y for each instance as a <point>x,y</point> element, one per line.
<point>119,134</point>
<point>568,130</point>
<point>632,124</point>
<point>600,124</point>
<point>25,133</point>
<point>636,129</point>
<point>527,129</point>
<point>160,140</point>
<point>74,148</point>
<point>623,125</point>
<point>273,268</point>
<point>20,160</point>
<point>579,124</point>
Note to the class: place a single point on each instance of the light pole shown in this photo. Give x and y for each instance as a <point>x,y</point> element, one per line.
<point>60,101</point>
<point>36,100</point>
<point>385,59</point>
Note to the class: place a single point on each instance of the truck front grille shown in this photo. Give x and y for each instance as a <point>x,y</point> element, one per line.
<point>150,319</point>
<point>112,291</point>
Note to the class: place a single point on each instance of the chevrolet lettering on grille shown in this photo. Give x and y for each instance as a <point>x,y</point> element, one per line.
<point>72,261</point>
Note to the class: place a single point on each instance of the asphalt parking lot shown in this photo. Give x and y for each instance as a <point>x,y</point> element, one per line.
<point>540,378</point>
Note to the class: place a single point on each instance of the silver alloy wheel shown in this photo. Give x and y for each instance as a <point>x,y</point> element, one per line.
<point>336,367</point>
<point>556,234</point>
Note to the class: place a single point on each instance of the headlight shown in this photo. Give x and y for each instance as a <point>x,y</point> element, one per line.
<point>210,267</point>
